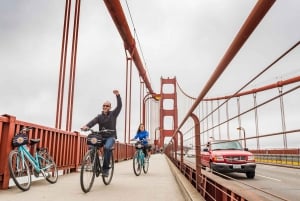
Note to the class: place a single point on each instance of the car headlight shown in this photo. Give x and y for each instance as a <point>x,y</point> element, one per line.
<point>218,158</point>
<point>251,158</point>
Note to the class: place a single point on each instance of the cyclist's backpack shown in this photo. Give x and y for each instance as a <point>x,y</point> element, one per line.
<point>20,139</point>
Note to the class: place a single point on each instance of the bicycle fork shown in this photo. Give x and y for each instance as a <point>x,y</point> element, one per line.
<point>141,158</point>
<point>97,165</point>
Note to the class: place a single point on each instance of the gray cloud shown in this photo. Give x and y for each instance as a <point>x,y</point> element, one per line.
<point>185,39</point>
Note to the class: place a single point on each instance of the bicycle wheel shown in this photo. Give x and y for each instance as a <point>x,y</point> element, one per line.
<point>48,166</point>
<point>19,170</point>
<point>87,172</point>
<point>137,164</point>
<point>146,164</point>
<point>107,180</point>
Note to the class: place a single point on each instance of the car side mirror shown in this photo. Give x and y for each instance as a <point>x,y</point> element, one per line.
<point>246,149</point>
<point>205,149</point>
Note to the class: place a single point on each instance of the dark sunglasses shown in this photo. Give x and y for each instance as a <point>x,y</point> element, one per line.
<point>106,106</point>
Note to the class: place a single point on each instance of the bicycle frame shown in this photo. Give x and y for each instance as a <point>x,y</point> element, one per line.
<point>141,157</point>
<point>92,166</point>
<point>32,159</point>
<point>22,164</point>
<point>97,164</point>
<point>140,161</point>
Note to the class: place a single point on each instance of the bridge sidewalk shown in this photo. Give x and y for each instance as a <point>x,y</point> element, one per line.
<point>161,183</point>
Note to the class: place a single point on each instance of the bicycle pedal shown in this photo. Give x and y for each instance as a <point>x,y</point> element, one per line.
<point>105,173</point>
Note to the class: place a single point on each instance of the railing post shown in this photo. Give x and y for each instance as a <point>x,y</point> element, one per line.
<point>197,150</point>
<point>5,148</point>
<point>77,151</point>
<point>181,149</point>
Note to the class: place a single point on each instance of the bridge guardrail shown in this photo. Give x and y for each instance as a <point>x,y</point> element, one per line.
<point>292,160</point>
<point>66,148</point>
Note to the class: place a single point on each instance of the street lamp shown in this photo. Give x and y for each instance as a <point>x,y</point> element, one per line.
<point>244,132</point>
<point>156,97</point>
<point>155,139</point>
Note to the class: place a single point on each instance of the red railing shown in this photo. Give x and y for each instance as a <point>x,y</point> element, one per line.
<point>66,148</point>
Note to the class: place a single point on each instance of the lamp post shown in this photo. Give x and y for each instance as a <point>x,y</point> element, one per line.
<point>155,139</point>
<point>156,97</point>
<point>244,132</point>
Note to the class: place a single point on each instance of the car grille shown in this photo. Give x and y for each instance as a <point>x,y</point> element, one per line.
<point>235,159</point>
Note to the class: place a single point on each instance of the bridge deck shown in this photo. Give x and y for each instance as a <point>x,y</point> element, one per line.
<point>160,183</point>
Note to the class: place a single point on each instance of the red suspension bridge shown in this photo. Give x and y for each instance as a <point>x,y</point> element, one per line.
<point>262,116</point>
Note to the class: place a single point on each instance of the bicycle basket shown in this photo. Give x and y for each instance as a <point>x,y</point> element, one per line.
<point>139,145</point>
<point>94,139</point>
<point>19,140</point>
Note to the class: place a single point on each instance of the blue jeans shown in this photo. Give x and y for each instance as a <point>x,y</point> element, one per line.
<point>109,143</point>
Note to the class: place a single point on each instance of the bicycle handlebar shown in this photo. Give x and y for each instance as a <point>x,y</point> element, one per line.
<point>25,129</point>
<point>138,140</point>
<point>103,130</point>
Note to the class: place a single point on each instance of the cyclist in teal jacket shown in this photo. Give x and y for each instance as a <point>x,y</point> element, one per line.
<point>143,136</point>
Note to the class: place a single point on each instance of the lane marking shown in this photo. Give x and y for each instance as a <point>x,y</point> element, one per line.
<point>268,177</point>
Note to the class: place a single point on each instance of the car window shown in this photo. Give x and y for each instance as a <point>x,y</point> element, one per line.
<point>228,145</point>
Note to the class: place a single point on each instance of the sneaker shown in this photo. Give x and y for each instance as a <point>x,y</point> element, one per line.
<point>105,173</point>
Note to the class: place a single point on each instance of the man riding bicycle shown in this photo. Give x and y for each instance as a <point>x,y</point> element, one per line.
<point>107,120</point>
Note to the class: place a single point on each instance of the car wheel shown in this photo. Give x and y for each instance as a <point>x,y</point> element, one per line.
<point>250,175</point>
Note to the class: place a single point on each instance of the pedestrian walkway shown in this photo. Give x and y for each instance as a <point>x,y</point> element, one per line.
<point>161,183</point>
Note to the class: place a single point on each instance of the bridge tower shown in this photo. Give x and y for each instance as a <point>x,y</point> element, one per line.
<point>168,110</point>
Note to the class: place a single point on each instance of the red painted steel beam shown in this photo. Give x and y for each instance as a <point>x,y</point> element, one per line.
<point>73,66</point>
<point>257,14</point>
<point>264,88</point>
<point>63,59</point>
<point>115,9</point>
<point>267,87</point>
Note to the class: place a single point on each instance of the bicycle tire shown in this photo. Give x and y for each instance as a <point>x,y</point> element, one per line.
<point>88,170</point>
<point>107,180</point>
<point>19,173</point>
<point>146,164</point>
<point>48,166</point>
<point>137,164</point>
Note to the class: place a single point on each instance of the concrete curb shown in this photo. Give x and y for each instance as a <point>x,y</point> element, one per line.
<point>189,191</point>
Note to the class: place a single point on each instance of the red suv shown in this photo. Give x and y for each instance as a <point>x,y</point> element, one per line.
<point>228,156</point>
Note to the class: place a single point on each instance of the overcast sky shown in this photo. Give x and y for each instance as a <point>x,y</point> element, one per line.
<point>186,39</point>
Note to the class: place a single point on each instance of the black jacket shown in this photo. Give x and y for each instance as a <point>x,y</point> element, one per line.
<point>108,121</point>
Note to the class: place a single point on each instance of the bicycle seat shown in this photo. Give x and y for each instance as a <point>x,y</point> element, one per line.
<point>34,141</point>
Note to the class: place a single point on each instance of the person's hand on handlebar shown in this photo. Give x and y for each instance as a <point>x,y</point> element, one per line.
<point>84,128</point>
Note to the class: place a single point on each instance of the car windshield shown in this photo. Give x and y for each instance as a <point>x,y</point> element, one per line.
<point>230,145</point>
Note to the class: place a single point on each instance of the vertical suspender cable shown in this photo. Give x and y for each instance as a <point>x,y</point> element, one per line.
<point>63,57</point>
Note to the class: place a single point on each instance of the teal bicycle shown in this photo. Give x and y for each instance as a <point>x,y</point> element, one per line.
<point>22,164</point>
<point>139,160</point>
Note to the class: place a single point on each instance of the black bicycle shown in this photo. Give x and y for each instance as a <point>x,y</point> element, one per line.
<point>92,163</point>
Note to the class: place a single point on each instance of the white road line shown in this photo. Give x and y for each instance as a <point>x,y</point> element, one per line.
<point>268,177</point>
